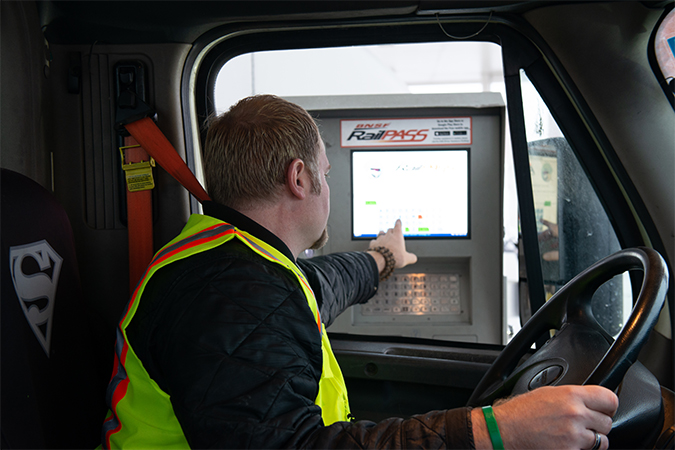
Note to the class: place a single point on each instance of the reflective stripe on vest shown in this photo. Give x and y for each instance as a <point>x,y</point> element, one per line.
<point>141,414</point>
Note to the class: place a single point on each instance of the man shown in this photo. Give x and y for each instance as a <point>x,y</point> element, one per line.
<point>223,344</point>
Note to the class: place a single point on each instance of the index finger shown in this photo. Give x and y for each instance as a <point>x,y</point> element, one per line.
<point>398,225</point>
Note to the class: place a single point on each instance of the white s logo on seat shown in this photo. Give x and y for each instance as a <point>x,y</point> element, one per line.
<point>37,291</point>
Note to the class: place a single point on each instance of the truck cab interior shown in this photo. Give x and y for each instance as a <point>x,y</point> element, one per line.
<point>527,146</point>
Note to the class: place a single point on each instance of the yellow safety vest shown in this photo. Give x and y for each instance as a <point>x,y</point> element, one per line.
<point>141,414</point>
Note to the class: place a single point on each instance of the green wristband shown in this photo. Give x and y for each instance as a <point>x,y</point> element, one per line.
<point>493,429</point>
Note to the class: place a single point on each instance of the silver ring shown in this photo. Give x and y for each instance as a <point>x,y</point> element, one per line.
<point>596,444</point>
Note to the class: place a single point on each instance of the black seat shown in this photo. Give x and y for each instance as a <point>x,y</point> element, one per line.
<point>53,387</point>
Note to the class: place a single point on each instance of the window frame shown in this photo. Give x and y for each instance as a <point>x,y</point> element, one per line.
<point>522,47</point>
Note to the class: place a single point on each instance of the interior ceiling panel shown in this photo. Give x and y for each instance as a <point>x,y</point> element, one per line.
<point>114,22</point>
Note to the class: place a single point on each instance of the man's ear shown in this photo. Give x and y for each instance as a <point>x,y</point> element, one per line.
<point>296,179</point>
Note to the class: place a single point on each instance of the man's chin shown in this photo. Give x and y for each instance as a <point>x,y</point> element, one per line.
<point>321,241</point>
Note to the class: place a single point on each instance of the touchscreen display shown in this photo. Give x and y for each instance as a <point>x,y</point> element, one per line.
<point>427,189</point>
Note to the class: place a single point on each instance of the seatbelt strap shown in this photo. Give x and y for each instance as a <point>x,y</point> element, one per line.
<point>146,132</point>
<point>135,116</point>
<point>137,166</point>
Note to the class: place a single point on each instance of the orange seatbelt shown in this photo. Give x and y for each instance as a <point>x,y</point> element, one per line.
<point>137,166</point>
<point>146,145</point>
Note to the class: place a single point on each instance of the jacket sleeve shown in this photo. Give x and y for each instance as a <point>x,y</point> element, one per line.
<point>448,429</point>
<point>340,280</point>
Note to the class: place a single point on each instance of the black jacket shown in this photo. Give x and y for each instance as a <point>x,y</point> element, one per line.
<point>230,338</point>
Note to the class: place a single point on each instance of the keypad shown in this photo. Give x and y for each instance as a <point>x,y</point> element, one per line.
<point>416,294</point>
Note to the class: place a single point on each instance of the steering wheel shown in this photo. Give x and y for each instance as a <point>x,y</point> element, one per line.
<point>581,351</point>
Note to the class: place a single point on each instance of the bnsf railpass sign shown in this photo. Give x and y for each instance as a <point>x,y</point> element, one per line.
<point>405,132</point>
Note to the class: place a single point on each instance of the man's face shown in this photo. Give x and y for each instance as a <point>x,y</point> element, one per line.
<point>323,198</point>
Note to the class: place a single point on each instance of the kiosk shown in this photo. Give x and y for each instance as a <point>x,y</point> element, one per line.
<point>435,162</point>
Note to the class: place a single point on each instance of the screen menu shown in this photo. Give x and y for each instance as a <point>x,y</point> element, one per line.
<point>427,189</point>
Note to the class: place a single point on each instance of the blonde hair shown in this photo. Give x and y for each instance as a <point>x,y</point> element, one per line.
<point>249,148</point>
